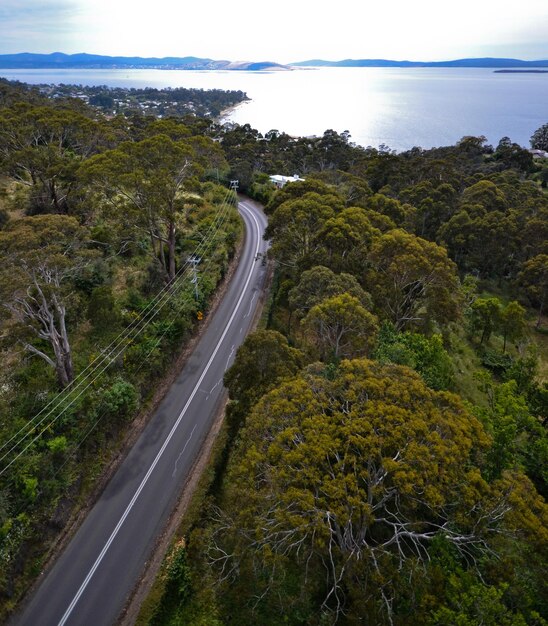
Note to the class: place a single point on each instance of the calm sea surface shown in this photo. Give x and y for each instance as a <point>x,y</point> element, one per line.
<point>401,108</point>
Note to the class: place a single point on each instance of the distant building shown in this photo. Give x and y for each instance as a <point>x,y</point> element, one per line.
<point>280,180</point>
<point>539,154</point>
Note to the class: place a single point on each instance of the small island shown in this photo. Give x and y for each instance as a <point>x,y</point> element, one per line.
<point>521,71</point>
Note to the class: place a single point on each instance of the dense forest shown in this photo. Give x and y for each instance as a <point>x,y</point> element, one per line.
<point>384,454</point>
<point>98,218</point>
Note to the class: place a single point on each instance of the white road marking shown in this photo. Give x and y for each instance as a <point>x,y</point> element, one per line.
<point>229,357</point>
<point>183,450</point>
<point>158,456</point>
<point>213,388</point>
<point>250,305</point>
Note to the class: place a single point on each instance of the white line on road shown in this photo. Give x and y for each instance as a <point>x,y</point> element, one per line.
<point>183,451</point>
<point>167,440</point>
<point>229,357</point>
<point>213,388</point>
<point>250,305</point>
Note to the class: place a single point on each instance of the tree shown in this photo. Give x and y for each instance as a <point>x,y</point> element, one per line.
<point>412,280</point>
<point>393,209</point>
<point>42,147</point>
<point>39,256</point>
<point>512,322</point>
<point>319,283</point>
<point>262,362</point>
<point>148,179</point>
<point>357,472</point>
<point>539,139</point>
<point>426,355</point>
<point>485,315</point>
<point>480,240</point>
<point>434,205</point>
<point>534,277</point>
<point>353,189</point>
<point>346,239</point>
<point>473,603</point>
<point>512,155</point>
<point>341,327</point>
<point>294,229</point>
<point>519,439</point>
<point>294,191</point>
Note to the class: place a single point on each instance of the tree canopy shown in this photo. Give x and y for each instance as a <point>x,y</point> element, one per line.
<point>356,472</point>
<point>412,280</point>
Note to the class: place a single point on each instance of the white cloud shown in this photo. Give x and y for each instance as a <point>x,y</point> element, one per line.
<point>285,31</point>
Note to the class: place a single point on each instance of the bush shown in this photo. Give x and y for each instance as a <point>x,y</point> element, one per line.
<point>497,362</point>
<point>121,400</point>
<point>178,573</point>
<point>426,355</point>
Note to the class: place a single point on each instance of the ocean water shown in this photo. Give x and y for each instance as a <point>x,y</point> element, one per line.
<point>398,107</point>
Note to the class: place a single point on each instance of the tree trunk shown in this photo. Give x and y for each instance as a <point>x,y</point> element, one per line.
<point>540,310</point>
<point>53,196</point>
<point>62,376</point>
<point>171,250</point>
<point>61,346</point>
<point>162,257</point>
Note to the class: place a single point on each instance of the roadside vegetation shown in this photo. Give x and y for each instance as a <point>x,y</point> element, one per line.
<point>385,447</point>
<point>98,218</point>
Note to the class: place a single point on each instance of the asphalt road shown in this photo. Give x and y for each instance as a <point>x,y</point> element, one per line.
<point>91,580</point>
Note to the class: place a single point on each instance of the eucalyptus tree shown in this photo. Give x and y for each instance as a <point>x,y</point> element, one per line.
<point>341,327</point>
<point>41,147</point>
<point>539,139</point>
<point>345,478</point>
<point>39,258</point>
<point>412,281</point>
<point>150,183</point>
<point>534,278</point>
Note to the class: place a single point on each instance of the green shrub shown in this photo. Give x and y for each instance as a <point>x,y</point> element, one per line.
<point>121,399</point>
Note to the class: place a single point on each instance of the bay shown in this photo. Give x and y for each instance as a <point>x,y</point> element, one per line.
<point>398,107</point>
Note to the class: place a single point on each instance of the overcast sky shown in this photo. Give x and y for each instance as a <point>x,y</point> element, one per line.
<point>283,31</point>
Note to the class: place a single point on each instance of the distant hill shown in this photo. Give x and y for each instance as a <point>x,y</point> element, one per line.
<point>59,60</point>
<point>484,62</point>
<point>56,60</point>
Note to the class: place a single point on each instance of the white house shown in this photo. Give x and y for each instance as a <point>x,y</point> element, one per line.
<point>280,180</point>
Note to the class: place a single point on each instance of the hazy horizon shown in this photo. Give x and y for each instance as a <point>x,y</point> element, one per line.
<point>247,59</point>
<point>285,33</point>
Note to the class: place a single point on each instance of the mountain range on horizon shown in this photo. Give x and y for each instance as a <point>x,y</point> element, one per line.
<point>487,62</point>
<point>28,60</point>
<point>60,60</point>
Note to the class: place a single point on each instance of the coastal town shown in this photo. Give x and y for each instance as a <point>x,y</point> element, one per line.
<point>159,103</point>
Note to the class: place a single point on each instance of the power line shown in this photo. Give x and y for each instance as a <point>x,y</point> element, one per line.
<point>194,261</point>
<point>100,418</point>
<point>156,305</point>
<point>56,417</point>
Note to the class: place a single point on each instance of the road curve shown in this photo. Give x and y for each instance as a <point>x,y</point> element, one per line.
<point>91,580</point>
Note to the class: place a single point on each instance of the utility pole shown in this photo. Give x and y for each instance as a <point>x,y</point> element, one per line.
<point>194,260</point>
